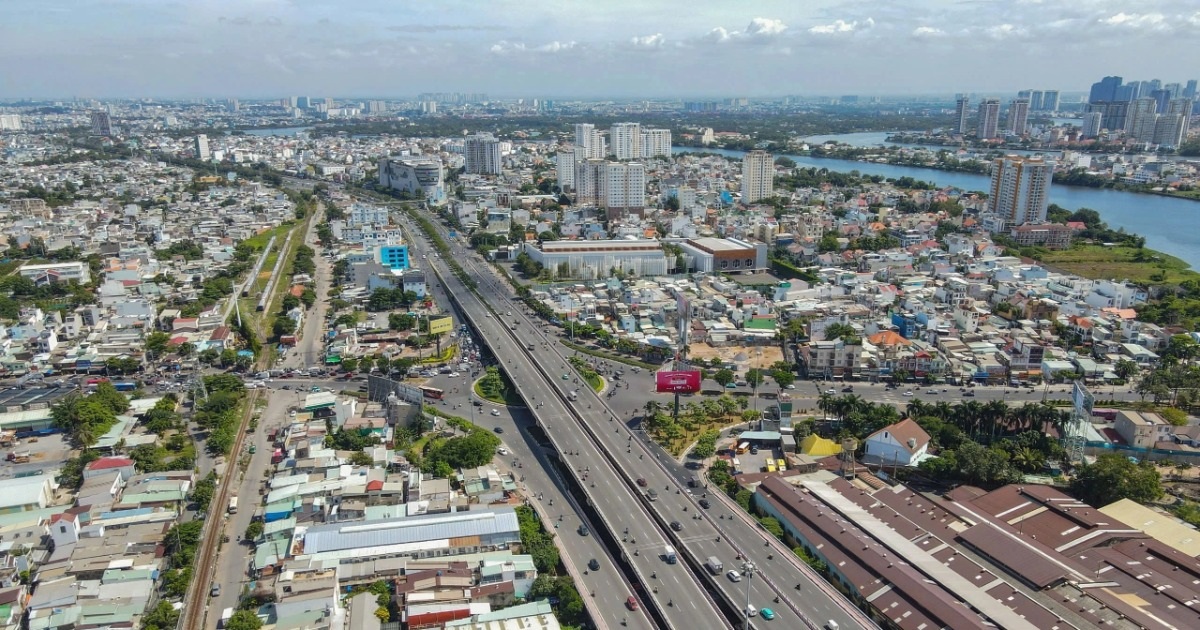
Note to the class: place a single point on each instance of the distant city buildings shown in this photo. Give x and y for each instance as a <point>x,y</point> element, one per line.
<point>482,154</point>
<point>1020,190</point>
<point>758,176</point>
<point>202,152</point>
<point>101,124</point>
<point>1091,125</point>
<point>961,112</point>
<point>10,122</point>
<point>1018,116</point>
<point>421,177</point>
<point>988,125</point>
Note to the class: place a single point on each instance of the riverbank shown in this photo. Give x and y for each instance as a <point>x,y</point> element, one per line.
<point>1100,262</point>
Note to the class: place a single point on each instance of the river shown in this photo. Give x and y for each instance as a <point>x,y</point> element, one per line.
<point>1162,220</point>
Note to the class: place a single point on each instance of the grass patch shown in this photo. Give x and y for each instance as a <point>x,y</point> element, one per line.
<point>496,388</point>
<point>611,356</point>
<point>259,241</point>
<point>1142,266</point>
<point>445,356</point>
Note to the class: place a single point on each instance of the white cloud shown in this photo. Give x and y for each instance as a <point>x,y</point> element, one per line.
<point>649,41</point>
<point>1005,31</point>
<point>1147,21</point>
<point>719,35</point>
<point>842,26</point>
<point>766,26</point>
<point>928,32</point>
<point>504,47</point>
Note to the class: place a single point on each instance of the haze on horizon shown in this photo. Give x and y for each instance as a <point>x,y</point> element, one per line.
<point>578,48</point>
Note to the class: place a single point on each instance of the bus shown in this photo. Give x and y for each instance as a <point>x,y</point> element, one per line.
<point>125,386</point>
<point>432,392</point>
<point>742,448</point>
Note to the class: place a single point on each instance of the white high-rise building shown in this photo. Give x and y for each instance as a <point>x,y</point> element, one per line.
<point>564,168</point>
<point>656,143</point>
<point>482,154</point>
<point>590,140</point>
<point>961,111</point>
<point>1020,189</point>
<point>1141,119</point>
<point>623,188</point>
<point>10,122</point>
<point>1018,116</point>
<point>758,176</point>
<point>988,125</point>
<point>588,176</point>
<point>418,176</point>
<point>202,152</point>
<point>626,140</point>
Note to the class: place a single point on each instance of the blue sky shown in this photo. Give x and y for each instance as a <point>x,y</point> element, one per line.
<point>586,48</point>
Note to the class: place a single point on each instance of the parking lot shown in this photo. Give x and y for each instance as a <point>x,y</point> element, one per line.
<point>46,453</point>
<point>749,461</point>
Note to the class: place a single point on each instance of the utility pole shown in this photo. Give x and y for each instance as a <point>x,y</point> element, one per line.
<point>748,569</point>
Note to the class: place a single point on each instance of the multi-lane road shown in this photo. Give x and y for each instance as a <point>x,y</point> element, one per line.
<point>607,446</point>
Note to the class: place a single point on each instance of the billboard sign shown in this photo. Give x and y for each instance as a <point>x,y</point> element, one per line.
<point>1083,400</point>
<point>441,325</point>
<point>677,381</point>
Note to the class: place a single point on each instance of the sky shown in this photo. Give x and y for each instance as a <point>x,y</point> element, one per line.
<point>586,48</point>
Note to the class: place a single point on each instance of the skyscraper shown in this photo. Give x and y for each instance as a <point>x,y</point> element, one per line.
<point>656,143</point>
<point>1091,124</point>
<point>564,168</point>
<point>202,152</point>
<point>1189,91</point>
<point>1050,101</point>
<point>302,102</point>
<point>988,125</point>
<point>1105,89</point>
<point>1140,121</point>
<point>1175,89</point>
<point>1114,114</point>
<point>625,140</point>
<point>961,105</point>
<point>1018,116</point>
<point>101,124</point>
<point>482,154</point>
<point>1160,100</point>
<point>1035,100</point>
<point>587,138</point>
<point>623,188</point>
<point>758,176</point>
<point>1020,189</point>
<point>10,122</point>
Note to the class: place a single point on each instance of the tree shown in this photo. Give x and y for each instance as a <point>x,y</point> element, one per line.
<point>723,377</point>
<point>253,530</point>
<point>1126,369</point>
<point>783,378</point>
<point>243,620</point>
<point>754,377</point>
<point>162,617</point>
<point>1114,477</point>
<point>156,343</point>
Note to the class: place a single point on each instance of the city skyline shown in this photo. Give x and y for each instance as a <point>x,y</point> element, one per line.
<point>263,48</point>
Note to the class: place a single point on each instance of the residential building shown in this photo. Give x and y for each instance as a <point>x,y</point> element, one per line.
<point>626,140</point>
<point>1050,101</point>
<point>902,444</point>
<point>590,140</point>
<point>623,188</point>
<point>1114,114</point>
<point>482,154</point>
<point>52,273</point>
<point>988,125</point>
<point>589,178</point>
<point>1020,189</point>
<point>656,143</point>
<point>564,169</point>
<point>420,177</point>
<point>1141,119</point>
<point>1018,116</point>
<point>202,152</point>
<point>1142,429</point>
<point>10,122</point>
<point>961,112</point>
<point>394,256</point>
<point>831,358</point>
<point>1105,90</point>
<point>758,176</point>
<point>1048,235</point>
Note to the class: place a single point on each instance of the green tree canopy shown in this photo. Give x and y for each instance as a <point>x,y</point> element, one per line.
<point>1114,477</point>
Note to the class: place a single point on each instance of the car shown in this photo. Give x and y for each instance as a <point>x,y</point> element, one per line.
<point>677,526</point>
<point>908,393</point>
<point>641,482</point>
<point>453,375</point>
<point>594,564</point>
<point>731,385</point>
<point>767,613</point>
<point>583,530</point>
<point>477,403</point>
<point>932,392</point>
<point>566,377</point>
<point>705,504</point>
<point>751,610</point>
<point>733,576</point>
<point>830,391</point>
<point>502,451</point>
<point>215,590</point>
<point>631,603</point>
<point>509,313</point>
<point>790,386</point>
<point>969,394</point>
<point>286,387</point>
<point>487,314</point>
<point>498,429</point>
<point>848,388</point>
<point>495,412</point>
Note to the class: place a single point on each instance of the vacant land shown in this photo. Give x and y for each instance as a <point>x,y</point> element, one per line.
<point>1143,266</point>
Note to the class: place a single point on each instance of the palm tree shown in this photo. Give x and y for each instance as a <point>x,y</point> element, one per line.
<point>825,403</point>
<point>651,407</point>
<point>994,413</point>
<point>943,410</point>
<point>917,409</point>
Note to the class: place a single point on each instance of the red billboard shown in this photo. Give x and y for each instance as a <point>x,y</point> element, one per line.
<point>678,381</point>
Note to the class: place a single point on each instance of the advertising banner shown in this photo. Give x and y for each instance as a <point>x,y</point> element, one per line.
<point>677,381</point>
<point>441,325</point>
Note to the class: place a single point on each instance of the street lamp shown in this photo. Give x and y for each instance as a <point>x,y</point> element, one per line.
<point>748,569</point>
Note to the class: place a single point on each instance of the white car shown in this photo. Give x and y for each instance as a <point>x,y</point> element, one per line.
<point>733,576</point>
<point>502,451</point>
<point>908,393</point>
<point>830,392</point>
<point>453,375</point>
<point>495,412</point>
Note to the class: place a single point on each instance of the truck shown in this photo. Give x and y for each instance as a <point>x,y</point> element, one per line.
<point>669,555</point>
<point>19,457</point>
<point>713,565</point>
<point>232,505</point>
<point>226,615</point>
<point>277,456</point>
<point>574,395</point>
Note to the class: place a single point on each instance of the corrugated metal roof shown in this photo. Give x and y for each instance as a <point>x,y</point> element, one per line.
<point>341,536</point>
